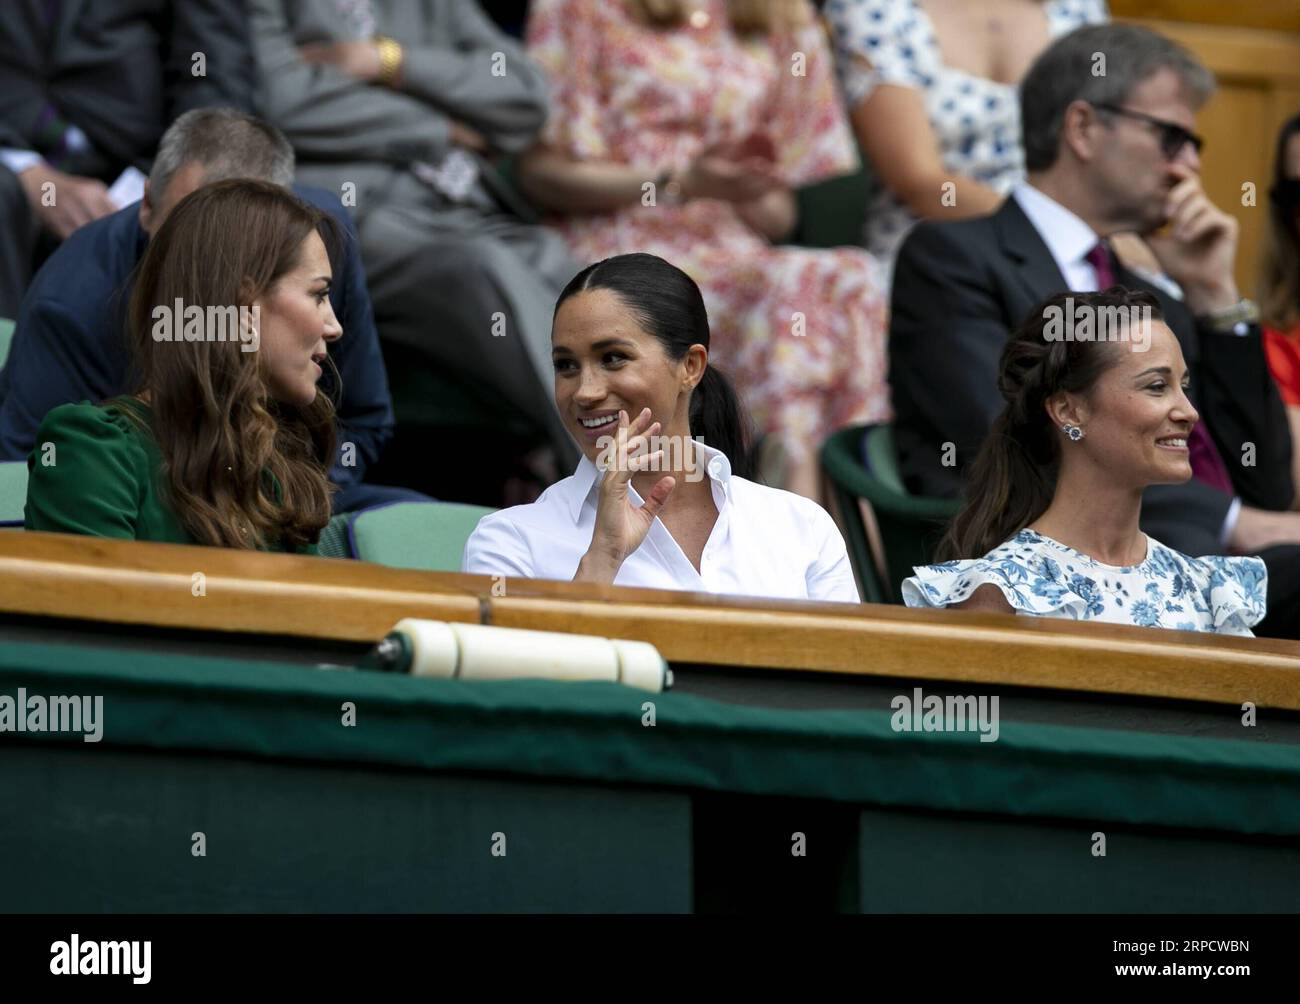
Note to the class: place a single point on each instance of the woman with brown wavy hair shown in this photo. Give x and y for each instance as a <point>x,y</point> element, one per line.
<point>226,440</point>
<point>1096,411</point>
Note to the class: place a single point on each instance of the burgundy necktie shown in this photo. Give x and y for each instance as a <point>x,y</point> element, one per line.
<point>1103,264</point>
<point>1207,463</point>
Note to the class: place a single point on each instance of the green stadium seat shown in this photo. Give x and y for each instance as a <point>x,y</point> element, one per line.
<point>910,525</point>
<point>6,336</point>
<point>423,395</point>
<point>333,541</point>
<point>429,536</point>
<point>13,475</point>
<point>833,213</point>
<point>13,493</point>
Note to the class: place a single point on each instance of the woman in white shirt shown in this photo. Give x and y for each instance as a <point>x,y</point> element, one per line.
<point>1050,526</point>
<point>633,384</point>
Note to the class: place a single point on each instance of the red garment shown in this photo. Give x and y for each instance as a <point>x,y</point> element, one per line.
<point>1283,351</point>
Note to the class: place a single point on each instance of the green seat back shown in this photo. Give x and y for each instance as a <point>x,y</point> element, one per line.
<point>333,541</point>
<point>424,395</point>
<point>429,536</point>
<point>910,525</point>
<point>6,336</point>
<point>882,461</point>
<point>13,492</point>
<point>832,213</point>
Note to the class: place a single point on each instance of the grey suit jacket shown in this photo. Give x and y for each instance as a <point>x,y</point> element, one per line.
<point>119,70</point>
<point>457,65</point>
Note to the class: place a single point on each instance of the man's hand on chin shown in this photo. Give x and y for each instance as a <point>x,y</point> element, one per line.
<point>1197,248</point>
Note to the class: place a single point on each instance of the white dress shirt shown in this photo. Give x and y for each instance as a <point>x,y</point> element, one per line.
<point>766,542</point>
<point>1066,236</point>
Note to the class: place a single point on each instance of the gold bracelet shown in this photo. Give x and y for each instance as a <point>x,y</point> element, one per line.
<point>390,59</point>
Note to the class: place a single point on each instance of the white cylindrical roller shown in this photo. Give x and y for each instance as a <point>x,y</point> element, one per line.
<point>641,665</point>
<point>492,653</point>
<point>480,652</point>
<point>435,650</point>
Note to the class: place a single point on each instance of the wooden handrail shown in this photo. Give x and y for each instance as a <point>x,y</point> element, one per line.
<point>66,576</point>
<point>130,582</point>
<point>1269,15</point>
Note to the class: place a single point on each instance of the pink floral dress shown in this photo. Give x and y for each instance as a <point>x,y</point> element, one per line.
<point>800,331</point>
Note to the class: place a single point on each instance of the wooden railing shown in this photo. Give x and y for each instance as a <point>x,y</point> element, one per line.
<point>168,585</point>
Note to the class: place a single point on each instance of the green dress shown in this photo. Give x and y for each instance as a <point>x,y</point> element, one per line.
<point>105,476</point>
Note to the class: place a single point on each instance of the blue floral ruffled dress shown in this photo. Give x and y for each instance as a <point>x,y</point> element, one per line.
<point>1044,578</point>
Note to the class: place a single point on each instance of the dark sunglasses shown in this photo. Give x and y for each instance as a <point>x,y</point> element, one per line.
<point>1173,137</point>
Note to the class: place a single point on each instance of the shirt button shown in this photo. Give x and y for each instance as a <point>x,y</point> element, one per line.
<point>715,467</point>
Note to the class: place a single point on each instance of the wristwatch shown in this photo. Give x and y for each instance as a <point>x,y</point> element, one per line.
<point>1234,320</point>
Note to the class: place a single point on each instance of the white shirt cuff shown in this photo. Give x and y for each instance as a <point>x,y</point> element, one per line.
<point>19,161</point>
<point>1229,523</point>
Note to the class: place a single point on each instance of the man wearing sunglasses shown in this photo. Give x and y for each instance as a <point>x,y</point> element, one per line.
<point>1108,117</point>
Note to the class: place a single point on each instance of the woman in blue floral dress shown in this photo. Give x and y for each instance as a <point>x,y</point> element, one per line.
<point>1050,526</point>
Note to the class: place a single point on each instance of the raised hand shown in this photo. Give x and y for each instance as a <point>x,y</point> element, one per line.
<point>1200,247</point>
<point>621,526</point>
<point>76,200</point>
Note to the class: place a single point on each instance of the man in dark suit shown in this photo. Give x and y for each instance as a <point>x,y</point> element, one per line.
<point>1107,117</point>
<point>70,345</point>
<point>86,90</point>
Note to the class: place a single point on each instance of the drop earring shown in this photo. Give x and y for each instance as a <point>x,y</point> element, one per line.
<point>1073,431</point>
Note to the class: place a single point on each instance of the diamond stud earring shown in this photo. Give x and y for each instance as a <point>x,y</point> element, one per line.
<point>1073,431</point>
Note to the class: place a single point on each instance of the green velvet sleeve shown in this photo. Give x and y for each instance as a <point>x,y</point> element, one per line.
<point>87,474</point>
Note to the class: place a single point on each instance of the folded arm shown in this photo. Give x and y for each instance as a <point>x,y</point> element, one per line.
<point>482,77</point>
<point>329,115</point>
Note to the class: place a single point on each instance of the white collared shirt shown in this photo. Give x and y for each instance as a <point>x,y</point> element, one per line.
<point>1067,237</point>
<point>766,542</point>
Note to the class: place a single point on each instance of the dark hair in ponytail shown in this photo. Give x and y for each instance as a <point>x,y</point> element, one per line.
<point>1014,476</point>
<point>667,303</point>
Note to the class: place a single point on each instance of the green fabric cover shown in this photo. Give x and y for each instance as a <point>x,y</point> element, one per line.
<point>594,731</point>
<point>429,536</point>
<point>919,862</point>
<point>108,831</point>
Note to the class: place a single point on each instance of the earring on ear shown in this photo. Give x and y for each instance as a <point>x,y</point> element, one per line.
<point>1073,431</point>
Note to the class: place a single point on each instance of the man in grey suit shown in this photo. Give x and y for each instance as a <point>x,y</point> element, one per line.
<point>396,105</point>
<point>86,90</point>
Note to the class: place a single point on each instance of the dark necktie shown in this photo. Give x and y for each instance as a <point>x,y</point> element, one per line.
<point>1207,463</point>
<point>50,129</point>
<point>1103,264</point>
